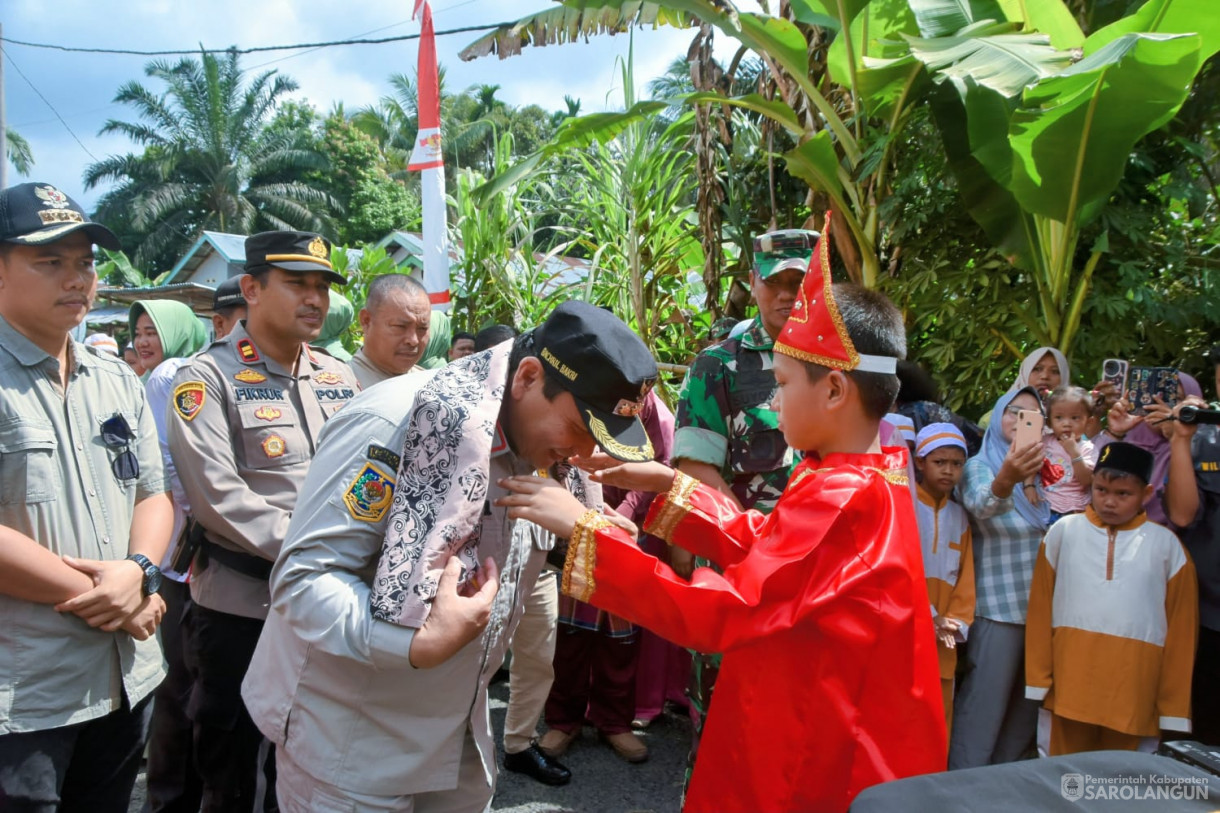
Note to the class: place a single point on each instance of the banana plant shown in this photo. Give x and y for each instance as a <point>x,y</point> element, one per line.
<point>1036,167</point>
<point>874,77</point>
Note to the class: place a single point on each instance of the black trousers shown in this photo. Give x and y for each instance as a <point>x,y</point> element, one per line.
<point>174,785</point>
<point>87,768</point>
<point>1205,689</point>
<point>235,761</point>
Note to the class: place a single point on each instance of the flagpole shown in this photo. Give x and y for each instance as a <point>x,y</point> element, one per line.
<point>427,159</point>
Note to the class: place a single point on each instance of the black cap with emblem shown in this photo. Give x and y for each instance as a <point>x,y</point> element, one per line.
<point>35,214</point>
<point>300,251</point>
<point>606,368</point>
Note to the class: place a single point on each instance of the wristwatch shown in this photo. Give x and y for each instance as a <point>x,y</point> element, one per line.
<point>152,573</point>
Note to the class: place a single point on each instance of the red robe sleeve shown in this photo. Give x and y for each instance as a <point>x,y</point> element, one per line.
<point>754,598</point>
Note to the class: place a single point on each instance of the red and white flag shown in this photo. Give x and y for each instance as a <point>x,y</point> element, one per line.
<point>426,157</point>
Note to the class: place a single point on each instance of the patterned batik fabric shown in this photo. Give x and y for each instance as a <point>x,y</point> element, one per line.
<point>442,485</point>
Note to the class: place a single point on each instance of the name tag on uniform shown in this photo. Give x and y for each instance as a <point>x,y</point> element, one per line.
<point>383,455</point>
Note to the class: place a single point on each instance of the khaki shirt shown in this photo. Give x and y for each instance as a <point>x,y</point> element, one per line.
<point>57,487</point>
<point>242,431</point>
<point>368,373</point>
<point>333,685</point>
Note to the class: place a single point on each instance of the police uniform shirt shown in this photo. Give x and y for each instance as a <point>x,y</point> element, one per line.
<point>57,486</point>
<point>242,431</point>
<point>331,684</point>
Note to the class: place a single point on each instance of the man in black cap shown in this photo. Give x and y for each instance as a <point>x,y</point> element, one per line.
<point>228,306</point>
<point>84,515</point>
<point>246,416</point>
<point>395,596</point>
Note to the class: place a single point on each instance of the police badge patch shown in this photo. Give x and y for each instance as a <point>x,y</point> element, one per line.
<point>189,399</point>
<point>370,495</point>
<point>274,446</point>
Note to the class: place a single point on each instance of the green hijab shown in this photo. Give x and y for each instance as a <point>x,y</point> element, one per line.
<point>178,327</point>
<point>436,354</point>
<point>338,319</point>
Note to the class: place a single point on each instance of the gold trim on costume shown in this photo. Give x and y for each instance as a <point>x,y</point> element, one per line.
<point>581,561</point>
<point>677,506</point>
<point>896,477</point>
<point>832,307</point>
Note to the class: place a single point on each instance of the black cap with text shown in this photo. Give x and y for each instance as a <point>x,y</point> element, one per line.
<point>35,214</point>
<point>593,355</point>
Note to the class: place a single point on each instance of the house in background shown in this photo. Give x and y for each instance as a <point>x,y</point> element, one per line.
<point>213,258</point>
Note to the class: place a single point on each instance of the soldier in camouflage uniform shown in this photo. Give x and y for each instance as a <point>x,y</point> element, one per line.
<point>727,435</point>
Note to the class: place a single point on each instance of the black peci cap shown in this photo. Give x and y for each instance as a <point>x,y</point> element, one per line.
<point>1127,458</point>
<point>300,251</point>
<point>228,294</point>
<point>35,214</point>
<point>592,354</point>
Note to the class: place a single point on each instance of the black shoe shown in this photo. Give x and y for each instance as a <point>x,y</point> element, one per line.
<point>533,763</point>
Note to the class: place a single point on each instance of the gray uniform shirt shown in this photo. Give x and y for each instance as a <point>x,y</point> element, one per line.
<point>333,685</point>
<point>57,487</point>
<point>242,431</point>
<point>368,373</point>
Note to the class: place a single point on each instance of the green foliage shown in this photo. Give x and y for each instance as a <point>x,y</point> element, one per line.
<point>209,160</point>
<point>370,264</point>
<point>375,204</point>
<point>18,151</point>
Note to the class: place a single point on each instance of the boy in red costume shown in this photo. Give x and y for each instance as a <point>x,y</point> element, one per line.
<point>829,682</point>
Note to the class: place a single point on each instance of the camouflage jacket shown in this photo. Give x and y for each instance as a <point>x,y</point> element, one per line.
<point>725,419</point>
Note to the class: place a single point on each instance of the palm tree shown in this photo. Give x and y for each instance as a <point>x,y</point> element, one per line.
<point>19,152</point>
<point>209,159</point>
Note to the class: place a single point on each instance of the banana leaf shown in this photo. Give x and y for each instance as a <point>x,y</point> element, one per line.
<point>990,54</point>
<point>973,124</point>
<point>878,67</point>
<point>1073,134</point>
<point>1200,17</point>
<point>1050,17</point>
<point>942,18</point>
<point>575,21</point>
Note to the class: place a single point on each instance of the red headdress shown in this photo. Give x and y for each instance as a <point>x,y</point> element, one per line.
<point>815,331</point>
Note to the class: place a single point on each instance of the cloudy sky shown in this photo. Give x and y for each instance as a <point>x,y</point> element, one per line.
<point>81,87</point>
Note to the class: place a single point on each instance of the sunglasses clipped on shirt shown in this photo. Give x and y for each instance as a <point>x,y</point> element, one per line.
<point>116,434</point>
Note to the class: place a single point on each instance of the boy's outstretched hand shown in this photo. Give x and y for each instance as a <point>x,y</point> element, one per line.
<point>543,502</point>
<point>651,476</point>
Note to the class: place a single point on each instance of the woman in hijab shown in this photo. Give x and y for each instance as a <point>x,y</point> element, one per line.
<point>165,335</point>
<point>339,318</point>
<point>992,720</point>
<point>163,329</point>
<point>1171,463</point>
<point>1044,369</point>
<point>436,354</point>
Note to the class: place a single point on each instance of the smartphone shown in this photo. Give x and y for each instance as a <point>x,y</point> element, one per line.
<point>1115,371</point>
<point>1145,384</point>
<point>1029,428</point>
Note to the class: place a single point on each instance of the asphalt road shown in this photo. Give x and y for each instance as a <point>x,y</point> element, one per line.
<point>601,782</point>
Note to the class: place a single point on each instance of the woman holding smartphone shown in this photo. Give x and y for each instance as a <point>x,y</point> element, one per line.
<point>992,720</point>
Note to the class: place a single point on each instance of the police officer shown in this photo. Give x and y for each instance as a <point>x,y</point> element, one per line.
<point>246,415</point>
<point>369,714</point>
<point>84,517</point>
<point>726,433</point>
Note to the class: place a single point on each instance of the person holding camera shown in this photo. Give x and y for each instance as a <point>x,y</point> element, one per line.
<point>992,721</point>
